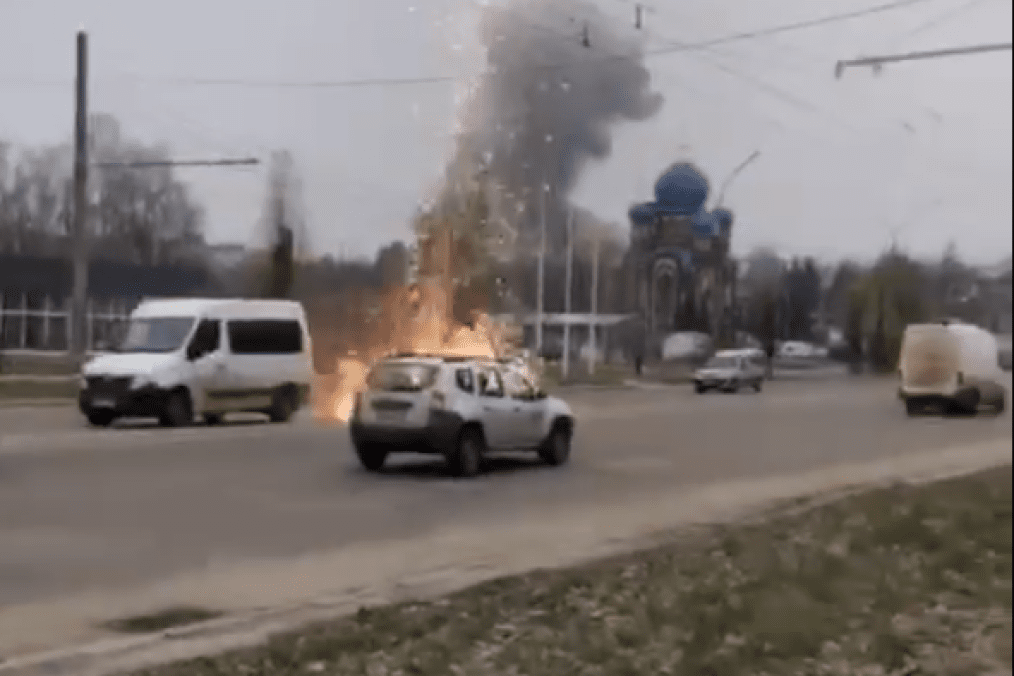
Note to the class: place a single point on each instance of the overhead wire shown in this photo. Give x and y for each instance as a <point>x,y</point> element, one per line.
<point>658,52</point>
<point>791,98</point>
<point>800,102</point>
<point>939,20</point>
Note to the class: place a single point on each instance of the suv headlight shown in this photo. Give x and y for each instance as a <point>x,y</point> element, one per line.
<point>140,381</point>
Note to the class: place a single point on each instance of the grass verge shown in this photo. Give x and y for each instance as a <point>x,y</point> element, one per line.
<point>606,375</point>
<point>38,365</point>
<point>901,580</point>
<point>26,390</point>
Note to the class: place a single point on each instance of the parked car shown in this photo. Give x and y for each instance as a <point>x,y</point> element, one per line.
<point>952,366</point>
<point>182,358</point>
<point>459,408</point>
<point>730,370</point>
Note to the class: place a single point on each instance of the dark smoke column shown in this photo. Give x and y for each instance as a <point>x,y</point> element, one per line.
<point>547,105</point>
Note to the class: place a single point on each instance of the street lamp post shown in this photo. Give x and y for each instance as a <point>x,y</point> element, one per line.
<point>568,293</point>
<point>541,285</point>
<point>736,172</point>
<point>540,301</point>
<point>593,325</point>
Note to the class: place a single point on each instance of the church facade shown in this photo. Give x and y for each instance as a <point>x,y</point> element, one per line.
<point>681,274</point>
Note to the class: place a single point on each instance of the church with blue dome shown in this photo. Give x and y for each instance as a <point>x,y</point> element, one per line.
<point>682,275</point>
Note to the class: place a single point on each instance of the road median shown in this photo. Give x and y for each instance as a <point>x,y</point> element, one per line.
<point>901,579</point>
<point>333,584</point>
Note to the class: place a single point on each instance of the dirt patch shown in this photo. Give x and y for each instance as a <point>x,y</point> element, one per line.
<point>903,579</point>
<point>168,618</point>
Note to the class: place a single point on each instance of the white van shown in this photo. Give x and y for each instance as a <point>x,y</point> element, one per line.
<point>202,357</point>
<point>950,364</point>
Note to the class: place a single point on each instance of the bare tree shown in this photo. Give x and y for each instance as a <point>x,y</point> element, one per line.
<point>140,215</point>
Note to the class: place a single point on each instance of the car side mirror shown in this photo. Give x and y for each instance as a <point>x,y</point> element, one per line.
<point>194,353</point>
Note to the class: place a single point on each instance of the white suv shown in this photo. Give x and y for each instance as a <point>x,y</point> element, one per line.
<point>459,408</point>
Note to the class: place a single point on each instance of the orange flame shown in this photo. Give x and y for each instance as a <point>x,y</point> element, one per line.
<point>419,319</point>
<point>413,320</point>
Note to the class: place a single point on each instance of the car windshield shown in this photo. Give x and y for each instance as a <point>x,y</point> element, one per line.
<point>156,334</point>
<point>395,377</point>
<point>722,363</point>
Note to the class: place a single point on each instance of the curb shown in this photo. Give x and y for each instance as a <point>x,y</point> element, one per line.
<point>632,530</point>
<point>36,403</point>
<point>35,378</point>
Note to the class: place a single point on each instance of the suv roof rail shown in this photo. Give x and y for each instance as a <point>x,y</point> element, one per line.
<point>429,355</point>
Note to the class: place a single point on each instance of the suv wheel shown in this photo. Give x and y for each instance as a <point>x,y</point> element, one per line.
<point>466,458</point>
<point>213,418</point>
<point>177,411</point>
<point>556,450</point>
<point>372,458</point>
<point>101,418</point>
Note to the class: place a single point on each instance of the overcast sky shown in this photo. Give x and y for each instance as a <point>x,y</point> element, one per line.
<point>922,151</point>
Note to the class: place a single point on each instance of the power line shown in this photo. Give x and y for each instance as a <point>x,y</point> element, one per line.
<point>767,87</point>
<point>179,163</point>
<point>592,60</point>
<point>941,18</point>
<point>785,28</point>
<point>878,61</point>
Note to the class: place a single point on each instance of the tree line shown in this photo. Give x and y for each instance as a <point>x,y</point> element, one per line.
<point>148,216</point>
<point>871,304</point>
<point>145,216</point>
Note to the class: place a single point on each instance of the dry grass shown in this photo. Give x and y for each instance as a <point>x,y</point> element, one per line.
<point>17,390</point>
<point>606,375</point>
<point>903,580</point>
<point>38,364</point>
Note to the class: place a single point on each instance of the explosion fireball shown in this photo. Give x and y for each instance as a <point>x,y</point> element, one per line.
<point>415,319</point>
<point>542,82</point>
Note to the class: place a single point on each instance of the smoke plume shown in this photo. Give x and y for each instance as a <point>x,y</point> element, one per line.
<point>560,74</point>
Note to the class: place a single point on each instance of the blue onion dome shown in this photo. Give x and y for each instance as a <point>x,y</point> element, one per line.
<point>682,190</point>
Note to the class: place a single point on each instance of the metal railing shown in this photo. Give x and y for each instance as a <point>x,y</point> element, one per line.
<point>45,326</point>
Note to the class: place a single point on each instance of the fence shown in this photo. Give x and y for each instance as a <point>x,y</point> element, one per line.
<point>44,326</point>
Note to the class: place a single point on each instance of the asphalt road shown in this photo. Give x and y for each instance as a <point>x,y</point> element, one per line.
<point>90,509</point>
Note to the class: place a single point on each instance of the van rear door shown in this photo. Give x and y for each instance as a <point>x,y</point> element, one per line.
<point>930,358</point>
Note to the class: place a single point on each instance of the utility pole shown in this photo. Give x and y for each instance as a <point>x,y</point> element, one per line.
<point>79,339</point>
<point>593,325</point>
<point>567,293</point>
<point>877,62</point>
